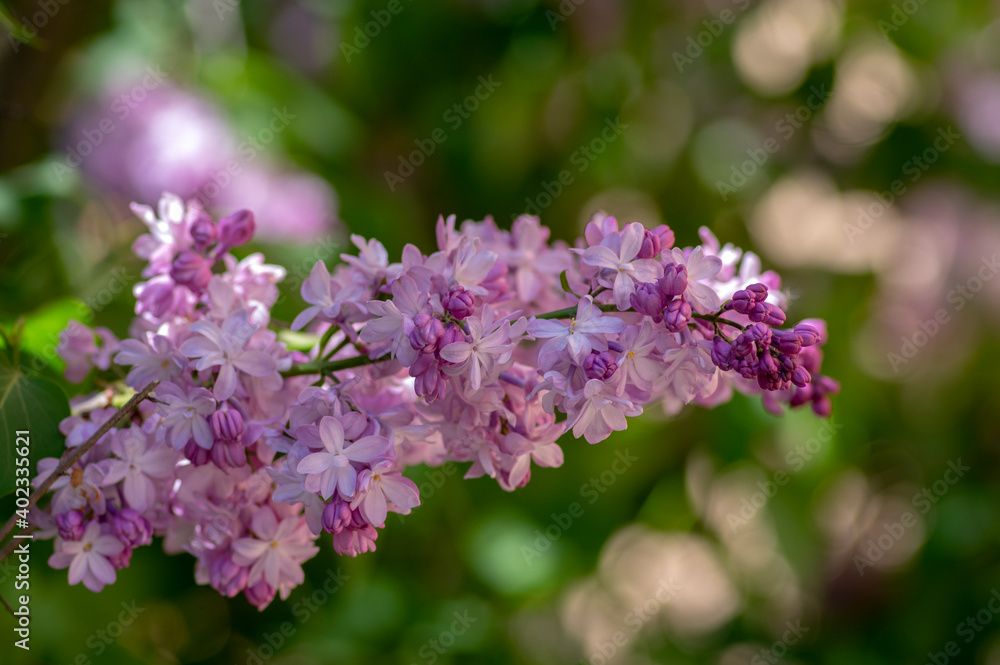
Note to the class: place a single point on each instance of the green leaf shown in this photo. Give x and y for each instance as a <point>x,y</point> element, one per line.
<point>564,281</point>
<point>33,405</point>
<point>42,328</point>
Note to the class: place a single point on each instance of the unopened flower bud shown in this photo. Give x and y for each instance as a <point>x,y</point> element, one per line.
<point>801,377</point>
<point>336,516</point>
<point>665,235</point>
<point>759,292</point>
<point>722,353</point>
<point>191,269</point>
<point>452,333</point>
<point>773,316</point>
<point>427,330</point>
<point>195,453</point>
<point>228,577</point>
<point>600,365</point>
<point>676,315</point>
<point>228,454</point>
<point>650,245</point>
<point>459,303</point>
<point>70,525</point>
<point>237,229</point>
<point>227,425</point>
<point>787,341</point>
<point>674,280</point>
<point>808,334</point>
<point>203,232</point>
<point>648,300</point>
<point>130,527</point>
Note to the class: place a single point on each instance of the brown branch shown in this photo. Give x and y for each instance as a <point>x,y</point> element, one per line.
<point>72,456</point>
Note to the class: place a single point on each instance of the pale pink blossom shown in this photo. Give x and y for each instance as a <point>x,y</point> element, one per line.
<point>185,414</point>
<point>224,348</point>
<point>331,469</point>
<point>88,558</point>
<point>276,551</point>
<point>617,255</point>
<point>384,488</point>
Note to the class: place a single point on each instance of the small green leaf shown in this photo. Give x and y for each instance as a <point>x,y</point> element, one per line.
<point>33,405</point>
<point>42,328</point>
<point>564,281</point>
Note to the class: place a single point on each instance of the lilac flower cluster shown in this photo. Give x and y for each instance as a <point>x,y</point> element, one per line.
<point>485,351</point>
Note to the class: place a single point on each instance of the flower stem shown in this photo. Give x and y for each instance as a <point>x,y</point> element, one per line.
<point>570,312</point>
<point>717,319</point>
<point>330,366</point>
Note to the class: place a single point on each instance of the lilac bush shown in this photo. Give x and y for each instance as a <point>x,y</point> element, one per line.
<point>485,352</point>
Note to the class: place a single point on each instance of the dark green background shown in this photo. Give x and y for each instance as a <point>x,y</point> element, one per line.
<point>462,549</point>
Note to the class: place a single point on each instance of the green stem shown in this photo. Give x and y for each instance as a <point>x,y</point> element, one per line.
<point>344,342</point>
<point>330,366</point>
<point>717,319</point>
<point>326,337</point>
<point>570,312</point>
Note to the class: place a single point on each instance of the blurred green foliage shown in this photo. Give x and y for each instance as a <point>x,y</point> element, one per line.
<point>463,550</point>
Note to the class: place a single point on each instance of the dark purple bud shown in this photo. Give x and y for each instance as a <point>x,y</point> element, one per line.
<point>260,594</point>
<point>459,303</point>
<point>773,316</point>
<point>203,232</point>
<point>122,559</point>
<point>787,342</point>
<point>759,292</point>
<point>801,377</point>
<point>427,330</point>
<point>748,367</point>
<point>70,525</point>
<point>758,332</point>
<point>822,406</point>
<point>648,300</point>
<point>600,365</point>
<point>228,455</point>
<point>674,281</point>
<point>191,269</point>
<point>808,334</point>
<point>429,381</point>
<point>336,516</point>
<point>769,381</point>
<point>227,425</point>
<point>452,333</point>
<point>195,453</point>
<point>228,577</point>
<point>743,346</point>
<point>130,527</point>
<point>742,301</point>
<point>768,364</point>
<point>757,312</point>
<point>237,229</point>
<point>722,353</point>
<point>650,245</point>
<point>676,315</point>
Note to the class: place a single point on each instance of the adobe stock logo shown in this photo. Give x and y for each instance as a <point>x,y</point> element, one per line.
<point>893,532</point>
<point>714,27</point>
<point>958,297</point>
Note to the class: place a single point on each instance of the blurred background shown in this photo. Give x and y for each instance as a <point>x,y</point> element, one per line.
<point>854,145</point>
